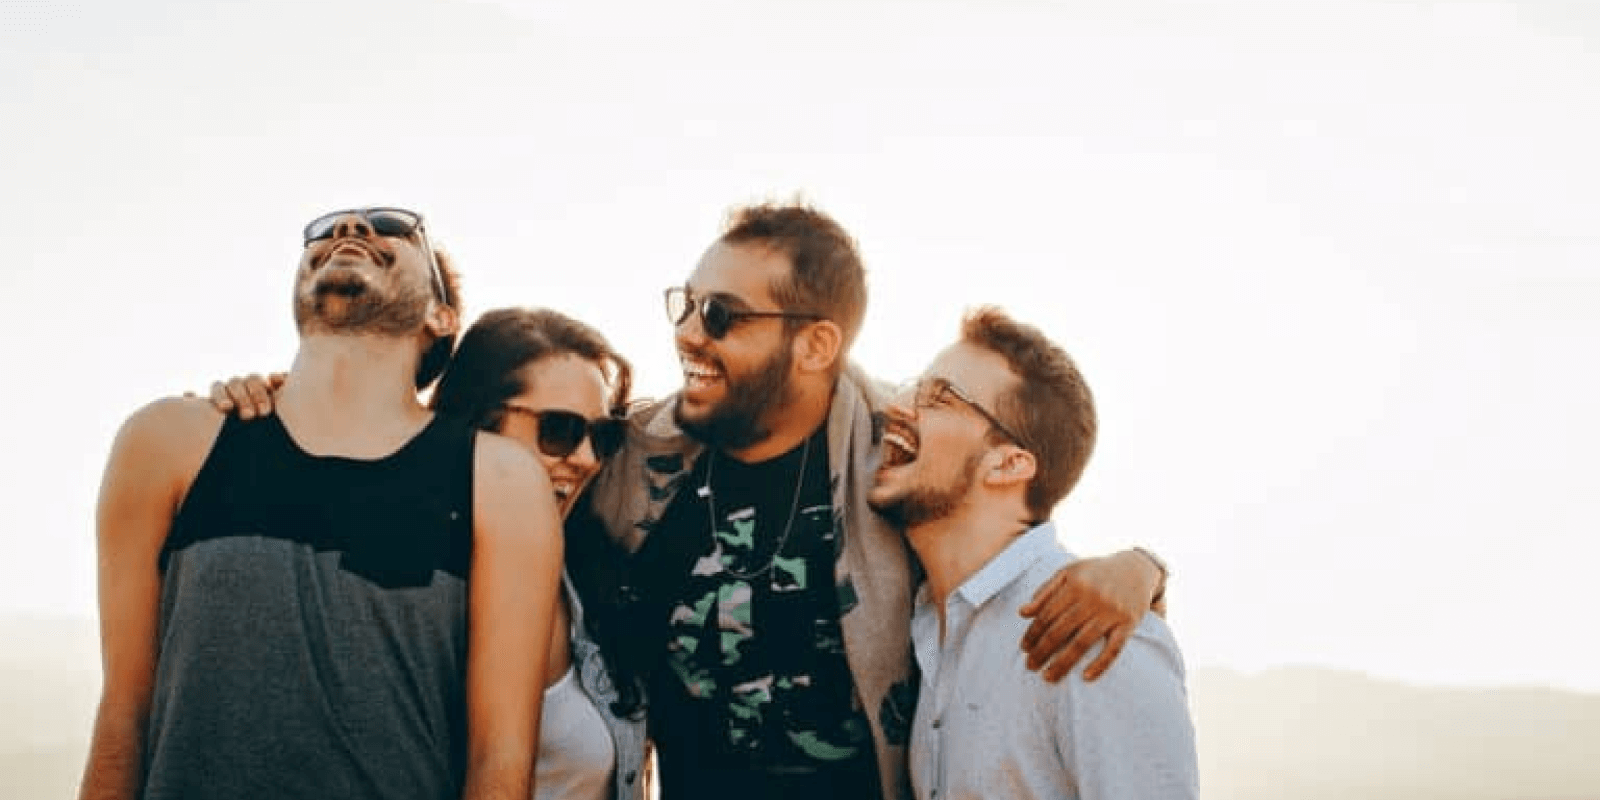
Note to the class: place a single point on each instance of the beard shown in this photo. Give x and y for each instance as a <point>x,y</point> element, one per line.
<point>928,503</point>
<point>343,303</point>
<point>739,420</point>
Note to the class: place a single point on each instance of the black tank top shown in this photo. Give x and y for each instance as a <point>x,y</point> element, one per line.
<point>314,622</point>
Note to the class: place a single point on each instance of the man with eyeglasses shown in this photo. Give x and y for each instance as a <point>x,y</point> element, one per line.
<point>285,604</point>
<point>773,606</point>
<point>976,454</point>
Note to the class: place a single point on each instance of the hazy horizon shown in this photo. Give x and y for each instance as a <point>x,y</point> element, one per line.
<point>1329,266</point>
<point>1306,733</point>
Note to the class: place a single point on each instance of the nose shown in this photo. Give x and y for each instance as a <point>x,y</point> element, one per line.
<point>901,406</point>
<point>352,225</point>
<point>583,457</point>
<point>690,332</point>
<point>903,400</point>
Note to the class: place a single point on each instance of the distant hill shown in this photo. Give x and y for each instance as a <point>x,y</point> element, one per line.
<point>1313,734</point>
<point>1290,734</point>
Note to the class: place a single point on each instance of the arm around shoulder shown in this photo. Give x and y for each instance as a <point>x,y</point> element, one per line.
<point>155,456</point>
<point>1129,733</point>
<point>514,585</point>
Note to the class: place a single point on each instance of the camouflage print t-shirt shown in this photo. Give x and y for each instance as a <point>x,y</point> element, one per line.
<point>754,681</point>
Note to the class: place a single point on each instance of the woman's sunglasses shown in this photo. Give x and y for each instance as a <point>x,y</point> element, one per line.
<point>395,223</point>
<point>716,317</point>
<point>561,432</point>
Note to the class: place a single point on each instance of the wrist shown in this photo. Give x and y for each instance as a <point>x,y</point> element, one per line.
<point>1162,572</point>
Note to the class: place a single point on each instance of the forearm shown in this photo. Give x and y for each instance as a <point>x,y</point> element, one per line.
<point>503,775</point>
<point>115,767</point>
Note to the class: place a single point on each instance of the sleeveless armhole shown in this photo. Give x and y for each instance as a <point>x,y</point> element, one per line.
<point>211,470</point>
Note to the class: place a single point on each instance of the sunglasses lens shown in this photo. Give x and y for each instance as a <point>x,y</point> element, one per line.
<point>384,222</point>
<point>715,317</point>
<point>677,305</point>
<point>560,433</point>
<point>606,436</point>
<point>391,222</point>
<point>321,227</point>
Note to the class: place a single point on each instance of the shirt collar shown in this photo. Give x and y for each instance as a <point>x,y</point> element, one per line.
<point>1009,564</point>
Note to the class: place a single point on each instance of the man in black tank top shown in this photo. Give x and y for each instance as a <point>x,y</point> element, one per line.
<point>284,604</point>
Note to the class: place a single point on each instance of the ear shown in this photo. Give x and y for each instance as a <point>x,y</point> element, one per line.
<point>818,346</point>
<point>442,320</point>
<point>1011,465</point>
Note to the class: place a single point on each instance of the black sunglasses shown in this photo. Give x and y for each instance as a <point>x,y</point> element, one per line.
<point>716,318</point>
<point>561,432</point>
<point>929,392</point>
<point>389,222</point>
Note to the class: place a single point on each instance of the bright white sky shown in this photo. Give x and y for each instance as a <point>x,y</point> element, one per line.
<point>1332,267</point>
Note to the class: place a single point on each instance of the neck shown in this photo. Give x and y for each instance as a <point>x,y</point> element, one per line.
<point>796,421</point>
<point>955,547</point>
<point>343,382</point>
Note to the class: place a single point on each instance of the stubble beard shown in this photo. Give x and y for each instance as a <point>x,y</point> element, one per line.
<point>352,307</point>
<point>923,504</point>
<point>739,420</point>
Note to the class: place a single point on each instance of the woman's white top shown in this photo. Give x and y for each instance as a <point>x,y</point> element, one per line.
<point>576,753</point>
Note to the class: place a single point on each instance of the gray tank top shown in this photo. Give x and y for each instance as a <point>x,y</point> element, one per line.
<point>313,623</point>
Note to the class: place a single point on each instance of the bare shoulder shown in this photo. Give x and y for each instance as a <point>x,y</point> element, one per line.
<point>156,456</point>
<point>173,430</point>
<point>498,460</point>
<point>512,495</point>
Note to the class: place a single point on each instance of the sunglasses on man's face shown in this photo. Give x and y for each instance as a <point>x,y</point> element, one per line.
<point>561,432</point>
<point>717,315</point>
<point>396,223</point>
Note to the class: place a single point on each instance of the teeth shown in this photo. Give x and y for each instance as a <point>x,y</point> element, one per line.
<point>899,441</point>
<point>698,369</point>
<point>898,449</point>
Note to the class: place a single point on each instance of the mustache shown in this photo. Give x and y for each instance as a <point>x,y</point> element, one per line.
<point>324,250</point>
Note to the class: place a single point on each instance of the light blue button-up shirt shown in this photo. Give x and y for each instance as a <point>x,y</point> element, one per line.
<point>986,727</point>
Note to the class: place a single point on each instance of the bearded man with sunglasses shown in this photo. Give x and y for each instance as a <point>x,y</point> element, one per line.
<point>284,605</point>
<point>976,455</point>
<point>773,605</point>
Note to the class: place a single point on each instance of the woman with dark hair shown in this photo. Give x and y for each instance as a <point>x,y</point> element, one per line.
<point>554,384</point>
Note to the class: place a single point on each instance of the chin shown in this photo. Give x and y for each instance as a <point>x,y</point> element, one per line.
<point>696,405</point>
<point>881,497</point>
<point>691,415</point>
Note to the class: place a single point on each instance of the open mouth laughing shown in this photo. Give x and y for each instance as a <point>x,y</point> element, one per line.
<point>698,373</point>
<point>900,444</point>
<point>567,486</point>
<point>352,248</point>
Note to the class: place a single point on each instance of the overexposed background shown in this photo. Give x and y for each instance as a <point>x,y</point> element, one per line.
<point>1331,267</point>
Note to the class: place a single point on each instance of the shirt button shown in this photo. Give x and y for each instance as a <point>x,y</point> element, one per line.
<point>937,721</point>
<point>629,779</point>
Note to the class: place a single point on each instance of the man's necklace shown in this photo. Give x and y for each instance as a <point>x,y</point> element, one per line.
<point>794,506</point>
